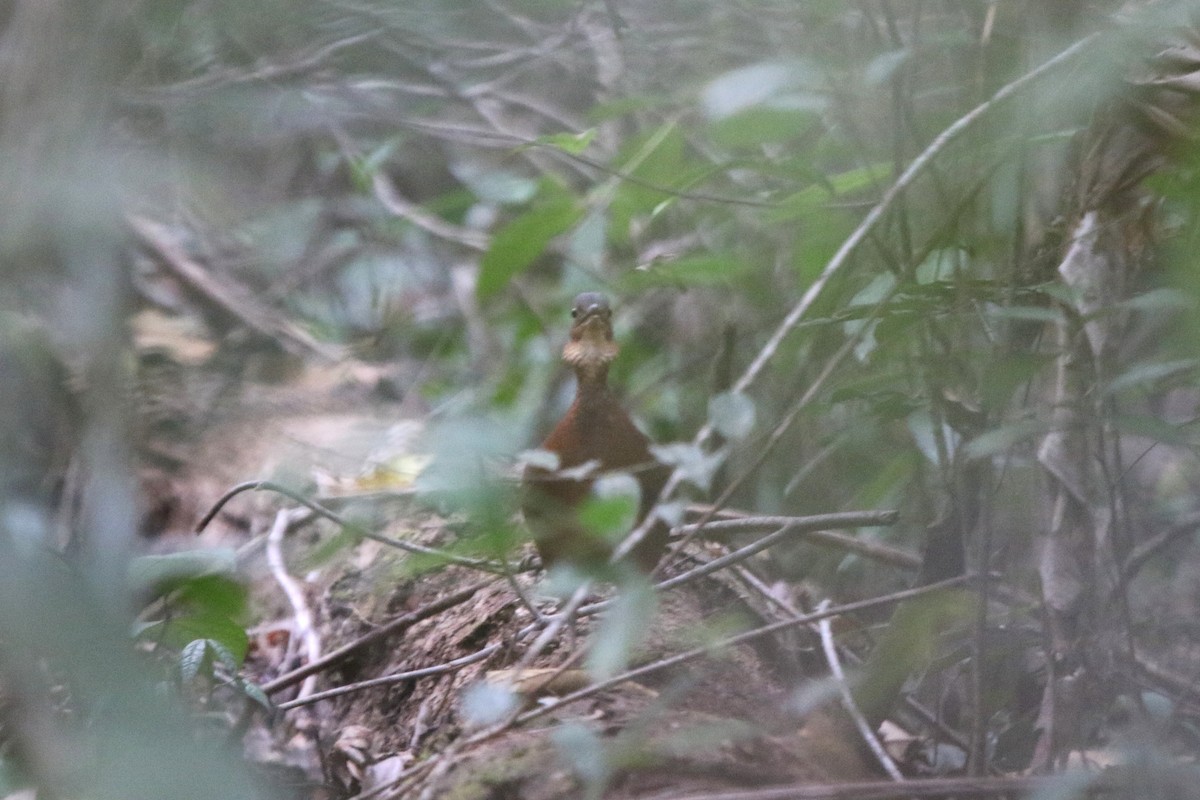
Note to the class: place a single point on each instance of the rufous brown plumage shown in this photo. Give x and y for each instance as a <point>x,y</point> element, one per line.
<point>595,429</point>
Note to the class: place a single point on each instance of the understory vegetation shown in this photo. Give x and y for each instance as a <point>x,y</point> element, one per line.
<point>300,270</point>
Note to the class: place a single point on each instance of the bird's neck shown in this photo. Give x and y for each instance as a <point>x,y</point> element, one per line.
<point>592,384</point>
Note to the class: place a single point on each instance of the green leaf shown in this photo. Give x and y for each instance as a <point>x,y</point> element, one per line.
<point>151,572</point>
<point>1157,300</point>
<point>771,83</point>
<point>754,127</point>
<point>941,264</point>
<point>713,269</point>
<point>223,654</point>
<point>1024,313</point>
<point>494,185</point>
<point>573,143</point>
<point>610,513</point>
<point>806,201</point>
<point>622,629</point>
<point>193,659</point>
<point>884,66</point>
<point>697,466</point>
<point>255,693</point>
<point>585,752</point>
<point>879,287</point>
<point>732,414</point>
<point>1146,375</point>
<point>1154,428</point>
<point>515,246</point>
<point>181,631</point>
<point>214,594</point>
<point>999,440</point>
<point>487,704</point>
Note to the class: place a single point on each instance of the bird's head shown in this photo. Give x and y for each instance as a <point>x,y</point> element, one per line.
<point>591,344</point>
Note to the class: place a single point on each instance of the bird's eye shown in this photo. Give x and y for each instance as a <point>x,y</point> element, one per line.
<point>574,312</point>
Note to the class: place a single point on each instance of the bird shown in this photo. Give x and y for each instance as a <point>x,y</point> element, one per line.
<point>595,430</point>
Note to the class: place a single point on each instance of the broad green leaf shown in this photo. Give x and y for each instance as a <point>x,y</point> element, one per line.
<point>1154,428</point>
<point>486,704</point>
<point>216,594</point>
<point>1024,313</point>
<point>222,654</point>
<point>573,143</point>
<point>732,414</point>
<point>921,426</point>
<point>621,630</point>
<point>1002,376</point>
<point>761,125</point>
<point>999,440</point>
<point>192,659</point>
<point>1157,300</point>
<point>884,66</point>
<point>712,269</point>
<point>940,265</point>
<point>255,693</point>
<point>149,572</point>
<point>879,287</point>
<point>764,83</point>
<point>586,753</point>
<point>697,466</point>
<point>493,185</point>
<point>160,573</point>
<point>518,244</point>
<point>806,201</point>
<point>1160,707</point>
<point>1146,375</point>
<point>180,631</point>
<point>610,513</point>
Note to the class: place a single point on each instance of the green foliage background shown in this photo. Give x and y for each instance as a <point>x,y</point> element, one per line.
<point>429,183</point>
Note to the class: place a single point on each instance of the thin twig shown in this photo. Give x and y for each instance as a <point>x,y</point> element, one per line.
<point>270,486</point>
<point>926,787</point>
<point>397,677</point>
<point>848,247</point>
<point>303,624</point>
<point>395,626</point>
<point>1144,551</point>
<point>918,165</point>
<point>557,622</point>
<point>733,641</point>
<point>793,526</point>
<point>851,708</point>
<point>807,527</point>
<point>391,199</point>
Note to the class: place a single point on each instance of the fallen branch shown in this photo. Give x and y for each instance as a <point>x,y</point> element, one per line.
<point>231,297</point>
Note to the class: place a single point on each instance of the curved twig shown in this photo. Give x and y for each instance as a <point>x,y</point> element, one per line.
<point>851,708</point>
<point>305,630</point>
<point>270,486</point>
